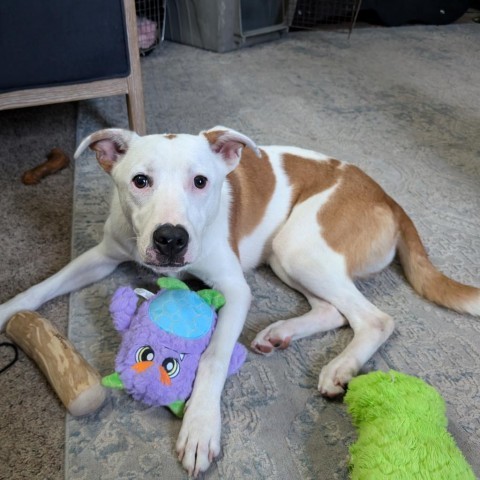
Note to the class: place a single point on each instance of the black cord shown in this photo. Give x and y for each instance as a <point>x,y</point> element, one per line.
<point>15,355</point>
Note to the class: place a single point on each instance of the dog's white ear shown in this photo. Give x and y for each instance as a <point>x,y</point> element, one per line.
<point>109,145</point>
<point>229,144</point>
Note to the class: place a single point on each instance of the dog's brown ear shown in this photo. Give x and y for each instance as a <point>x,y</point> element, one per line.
<point>229,144</point>
<point>109,145</point>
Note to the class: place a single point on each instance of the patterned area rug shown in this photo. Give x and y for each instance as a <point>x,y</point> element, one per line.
<point>401,103</point>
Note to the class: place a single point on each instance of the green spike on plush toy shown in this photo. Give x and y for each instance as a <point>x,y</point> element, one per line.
<point>113,381</point>
<point>402,430</point>
<point>213,298</point>
<point>169,283</point>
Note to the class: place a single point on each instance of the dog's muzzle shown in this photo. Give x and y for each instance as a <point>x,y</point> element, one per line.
<point>170,240</point>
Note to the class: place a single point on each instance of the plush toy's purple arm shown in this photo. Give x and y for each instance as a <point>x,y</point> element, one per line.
<point>238,358</point>
<point>122,307</point>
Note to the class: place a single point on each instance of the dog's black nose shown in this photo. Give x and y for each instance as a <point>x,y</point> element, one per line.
<point>170,240</point>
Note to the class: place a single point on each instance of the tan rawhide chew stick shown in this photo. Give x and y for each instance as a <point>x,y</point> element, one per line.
<point>74,380</point>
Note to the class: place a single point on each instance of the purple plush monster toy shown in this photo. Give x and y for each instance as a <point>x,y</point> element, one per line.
<point>162,341</point>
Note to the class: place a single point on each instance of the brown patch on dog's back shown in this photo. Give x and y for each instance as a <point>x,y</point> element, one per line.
<point>358,221</point>
<point>309,177</point>
<point>170,136</point>
<point>252,185</point>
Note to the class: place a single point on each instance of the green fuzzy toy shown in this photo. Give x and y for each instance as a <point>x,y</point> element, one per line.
<point>402,432</point>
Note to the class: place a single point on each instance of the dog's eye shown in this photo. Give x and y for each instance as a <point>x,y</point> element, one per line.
<point>145,354</point>
<point>200,181</point>
<point>171,366</point>
<point>141,181</point>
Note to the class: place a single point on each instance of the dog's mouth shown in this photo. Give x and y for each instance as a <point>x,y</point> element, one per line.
<point>167,265</point>
<point>157,261</point>
<point>166,268</point>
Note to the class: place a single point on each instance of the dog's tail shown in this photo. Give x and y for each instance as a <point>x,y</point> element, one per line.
<point>425,278</point>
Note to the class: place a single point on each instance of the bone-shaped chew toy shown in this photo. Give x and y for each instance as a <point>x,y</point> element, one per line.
<point>74,380</point>
<point>57,159</point>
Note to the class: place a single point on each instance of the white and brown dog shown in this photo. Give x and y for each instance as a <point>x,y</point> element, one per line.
<point>214,205</point>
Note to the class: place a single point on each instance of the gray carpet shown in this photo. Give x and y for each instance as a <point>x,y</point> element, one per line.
<point>35,235</point>
<point>402,104</point>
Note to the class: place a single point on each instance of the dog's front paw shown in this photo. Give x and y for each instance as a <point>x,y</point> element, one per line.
<point>199,439</point>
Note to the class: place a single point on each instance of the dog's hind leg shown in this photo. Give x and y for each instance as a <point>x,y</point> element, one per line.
<point>311,266</point>
<point>93,265</point>
<point>371,327</point>
<point>322,317</point>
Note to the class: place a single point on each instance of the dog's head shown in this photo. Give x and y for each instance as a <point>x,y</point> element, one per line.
<point>169,188</point>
